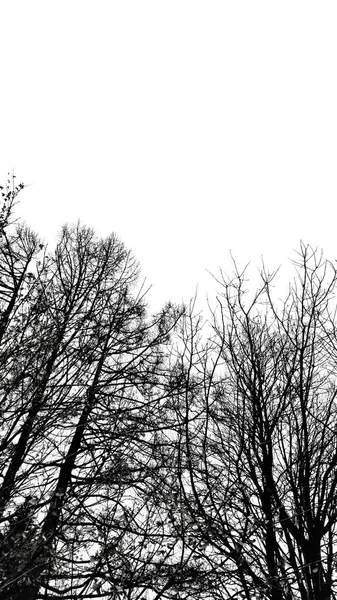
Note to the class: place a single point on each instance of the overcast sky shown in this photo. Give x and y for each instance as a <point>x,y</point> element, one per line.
<point>189,128</point>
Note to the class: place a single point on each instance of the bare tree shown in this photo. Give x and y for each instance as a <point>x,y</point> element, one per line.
<point>256,452</point>
<point>77,354</point>
<point>167,456</point>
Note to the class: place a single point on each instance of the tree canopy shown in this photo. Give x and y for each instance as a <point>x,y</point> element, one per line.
<point>178,455</point>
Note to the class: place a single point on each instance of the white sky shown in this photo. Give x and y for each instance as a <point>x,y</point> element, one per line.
<point>188,127</point>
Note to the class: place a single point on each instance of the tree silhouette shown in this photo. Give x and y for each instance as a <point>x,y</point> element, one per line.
<point>257,436</point>
<point>171,456</point>
<point>77,352</point>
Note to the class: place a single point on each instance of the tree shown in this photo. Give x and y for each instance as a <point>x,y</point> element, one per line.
<point>77,354</point>
<point>256,451</point>
<point>168,456</point>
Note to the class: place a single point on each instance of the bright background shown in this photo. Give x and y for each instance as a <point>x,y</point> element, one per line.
<point>189,128</point>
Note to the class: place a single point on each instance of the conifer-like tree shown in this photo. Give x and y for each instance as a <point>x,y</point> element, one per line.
<point>78,354</point>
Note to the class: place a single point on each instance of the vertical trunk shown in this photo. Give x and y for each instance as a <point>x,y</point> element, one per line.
<point>42,555</point>
<point>21,446</point>
<point>320,588</point>
<point>271,547</point>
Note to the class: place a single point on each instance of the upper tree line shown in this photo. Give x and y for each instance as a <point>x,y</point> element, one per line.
<point>166,456</point>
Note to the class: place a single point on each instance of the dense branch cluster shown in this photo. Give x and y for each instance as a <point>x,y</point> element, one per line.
<point>171,456</point>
